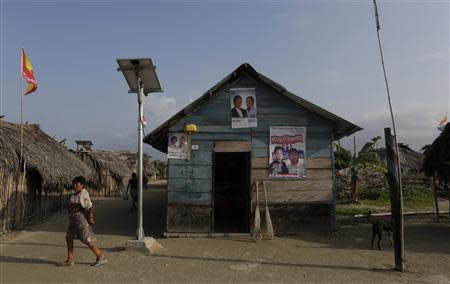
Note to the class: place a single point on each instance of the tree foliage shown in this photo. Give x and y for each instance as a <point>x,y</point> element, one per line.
<point>366,158</point>
<point>437,155</point>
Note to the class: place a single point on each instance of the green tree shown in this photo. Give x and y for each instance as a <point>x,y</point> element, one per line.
<point>437,157</point>
<point>366,158</point>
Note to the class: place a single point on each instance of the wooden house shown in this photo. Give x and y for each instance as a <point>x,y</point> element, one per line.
<point>212,191</point>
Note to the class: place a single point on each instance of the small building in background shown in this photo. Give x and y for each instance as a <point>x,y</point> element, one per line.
<point>113,169</point>
<point>248,130</point>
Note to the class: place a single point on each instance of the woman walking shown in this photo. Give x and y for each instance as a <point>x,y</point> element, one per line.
<point>81,217</point>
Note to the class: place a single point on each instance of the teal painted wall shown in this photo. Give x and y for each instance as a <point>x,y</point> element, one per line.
<point>190,182</point>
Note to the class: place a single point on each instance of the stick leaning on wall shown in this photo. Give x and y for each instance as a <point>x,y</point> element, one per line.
<point>270,233</point>
<point>257,226</point>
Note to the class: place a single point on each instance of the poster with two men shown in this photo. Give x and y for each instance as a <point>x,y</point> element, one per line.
<point>178,146</point>
<point>243,108</point>
<point>287,152</point>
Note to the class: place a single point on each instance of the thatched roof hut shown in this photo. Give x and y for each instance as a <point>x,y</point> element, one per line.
<point>113,169</point>
<point>115,162</point>
<point>38,188</point>
<point>56,165</point>
<point>411,162</point>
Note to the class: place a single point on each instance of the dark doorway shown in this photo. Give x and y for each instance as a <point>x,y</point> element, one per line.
<point>231,192</point>
<point>34,185</point>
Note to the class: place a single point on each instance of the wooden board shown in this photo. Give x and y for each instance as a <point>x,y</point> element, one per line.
<point>311,174</point>
<point>311,163</point>
<point>296,218</point>
<point>232,146</point>
<point>298,185</point>
<point>181,218</point>
<point>311,152</point>
<point>198,198</point>
<point>189,185</point>
<point>189,172</point>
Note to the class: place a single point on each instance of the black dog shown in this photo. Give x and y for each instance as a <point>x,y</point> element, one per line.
<point>378,227</point>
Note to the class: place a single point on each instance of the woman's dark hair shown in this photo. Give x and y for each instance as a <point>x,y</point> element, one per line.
<point>133,175</point>
<point>250,97</point>
<point>79,179</point>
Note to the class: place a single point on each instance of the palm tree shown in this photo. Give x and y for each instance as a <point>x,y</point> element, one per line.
<point>367,158</point>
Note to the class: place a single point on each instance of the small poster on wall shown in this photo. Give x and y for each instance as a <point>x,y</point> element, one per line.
<point>178,146</point>
<point>287,152</point>
<point>243,108</point>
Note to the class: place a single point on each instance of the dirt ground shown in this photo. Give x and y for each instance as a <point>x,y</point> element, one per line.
<point>340,257</point>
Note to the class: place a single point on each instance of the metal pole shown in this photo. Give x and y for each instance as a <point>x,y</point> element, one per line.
<point>140,230</point>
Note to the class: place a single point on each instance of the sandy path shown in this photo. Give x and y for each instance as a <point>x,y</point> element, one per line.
<point>341,257</point>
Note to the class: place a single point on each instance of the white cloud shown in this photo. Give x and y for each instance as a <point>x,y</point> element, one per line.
<point>433,56</point>
<point>159,108</point>
<point>416,123</point>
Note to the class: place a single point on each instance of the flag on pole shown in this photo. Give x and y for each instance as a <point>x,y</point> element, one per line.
<point>442,124</point>
<point>27,73</point>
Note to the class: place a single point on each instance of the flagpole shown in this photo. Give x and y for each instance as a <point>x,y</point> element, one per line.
<point>21,141</point>
<point>21,107</point>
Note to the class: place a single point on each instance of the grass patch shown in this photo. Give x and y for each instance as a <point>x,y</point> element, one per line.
<point>376,200</point>
<point>347,210</point>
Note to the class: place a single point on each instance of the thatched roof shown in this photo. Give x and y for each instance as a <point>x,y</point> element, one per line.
<point>115,162</point>
<point>52,160</point>
<point>410,160</point>
<point>437,155</point>
<point>119,163</point>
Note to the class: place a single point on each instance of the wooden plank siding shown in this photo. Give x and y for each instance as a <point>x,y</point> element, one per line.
<point>190,183</point>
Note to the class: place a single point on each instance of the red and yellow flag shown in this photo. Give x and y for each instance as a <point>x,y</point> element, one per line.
<point>27,73</point>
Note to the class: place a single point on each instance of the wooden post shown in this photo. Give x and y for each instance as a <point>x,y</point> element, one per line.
<point>396,199</point>
<point>435,196</point>
<point>446,188</point>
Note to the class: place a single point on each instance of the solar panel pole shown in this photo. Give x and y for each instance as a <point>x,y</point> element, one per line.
<point>141,78</point>
<point>140,96</point>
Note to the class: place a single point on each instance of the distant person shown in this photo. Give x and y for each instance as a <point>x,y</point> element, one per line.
<point>237,111</point>
<point>81,218</point>
<point>278,166</point>
<point>251,108</point>
<point>133,187</point>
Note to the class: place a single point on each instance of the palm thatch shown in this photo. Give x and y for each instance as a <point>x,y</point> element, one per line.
<point>115,162</point>
<point>113,169</point>
<point>411,162</point>
<point>56,165</point>
<point>437,155</point>
<point>38,188</point>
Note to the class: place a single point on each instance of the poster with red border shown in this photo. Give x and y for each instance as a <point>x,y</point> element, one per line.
<point>287,152</point>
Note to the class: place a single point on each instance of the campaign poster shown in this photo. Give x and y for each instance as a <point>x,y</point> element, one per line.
<point>243,108</point>
<point>178,146</point>
<point>287,152</point>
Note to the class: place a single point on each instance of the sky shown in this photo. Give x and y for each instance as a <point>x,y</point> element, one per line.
<point>323,51</point>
